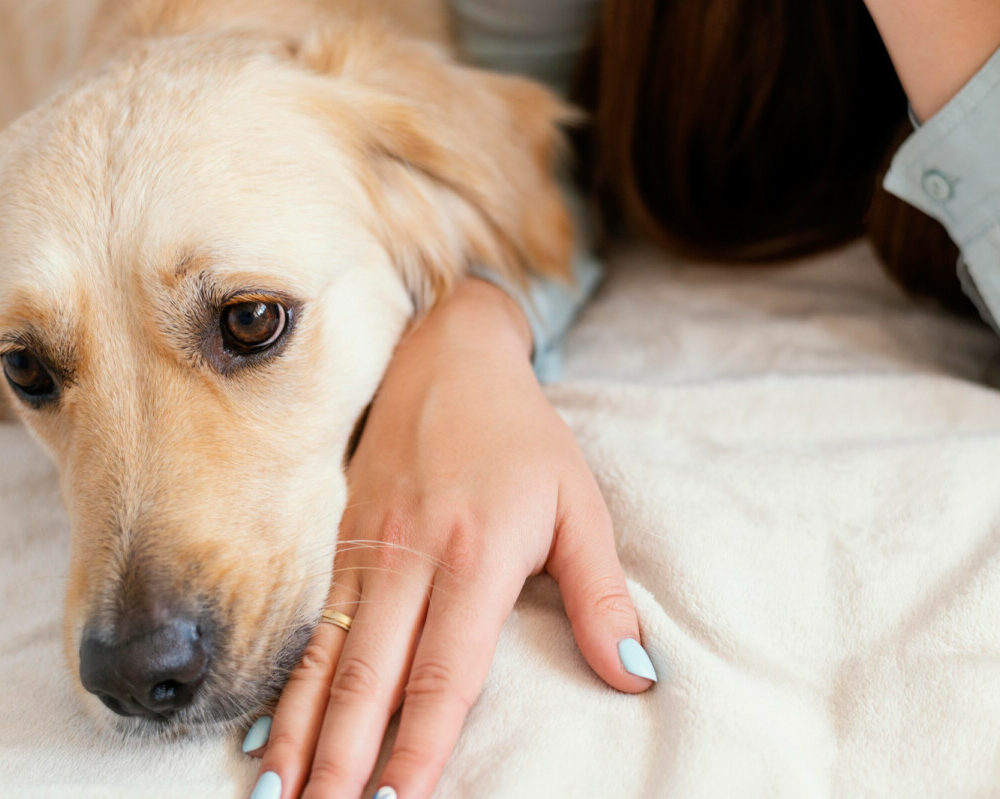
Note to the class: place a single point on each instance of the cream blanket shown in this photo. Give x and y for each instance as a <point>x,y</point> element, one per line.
<point>804,471</point>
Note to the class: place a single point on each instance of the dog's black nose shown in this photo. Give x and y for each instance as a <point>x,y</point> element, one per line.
<point>153,673</point>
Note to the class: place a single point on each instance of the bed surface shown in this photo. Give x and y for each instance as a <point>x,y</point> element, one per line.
<point>802,466</point>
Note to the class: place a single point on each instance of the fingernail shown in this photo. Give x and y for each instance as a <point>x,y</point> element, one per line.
<point>267,787</point>
<point>258,734</point>
<point>385,792</point>
<point>635,660</point>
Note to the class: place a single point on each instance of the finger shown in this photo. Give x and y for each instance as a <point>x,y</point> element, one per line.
<point>304,680</point>
<point>313,668</point>
<point>460,635</point>
<point>367,685</point>
<point>585,563</point>
<point>298,716</point>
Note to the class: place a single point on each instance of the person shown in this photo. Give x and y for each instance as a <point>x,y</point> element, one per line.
<point>734,128</point>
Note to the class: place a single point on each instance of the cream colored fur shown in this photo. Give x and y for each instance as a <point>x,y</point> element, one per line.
<point>183,151</point>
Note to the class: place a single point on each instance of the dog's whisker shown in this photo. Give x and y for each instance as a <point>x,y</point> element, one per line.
<point>359,503</point>
<point>374,543</point>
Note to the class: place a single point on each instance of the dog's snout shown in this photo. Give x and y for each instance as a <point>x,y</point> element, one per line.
<point>154,672</point>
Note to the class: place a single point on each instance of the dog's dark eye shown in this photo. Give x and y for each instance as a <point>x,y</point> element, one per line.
<point>253,326</point>
<point>28,375</point>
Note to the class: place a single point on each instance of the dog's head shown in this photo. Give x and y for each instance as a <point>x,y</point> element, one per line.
<point>208,250</point>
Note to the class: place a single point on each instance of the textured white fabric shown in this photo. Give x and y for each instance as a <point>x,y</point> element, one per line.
<point>803,472</point>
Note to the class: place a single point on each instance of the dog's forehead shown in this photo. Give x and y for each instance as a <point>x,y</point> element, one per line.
<point>124,175</point>
<point>145,149</point>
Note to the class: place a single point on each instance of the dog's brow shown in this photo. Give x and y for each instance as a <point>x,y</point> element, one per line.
<point>189,262</point>
<point>11,341</point>
<point>60,357</point>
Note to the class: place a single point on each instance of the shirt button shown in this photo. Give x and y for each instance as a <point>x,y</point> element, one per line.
<point>937,186</point>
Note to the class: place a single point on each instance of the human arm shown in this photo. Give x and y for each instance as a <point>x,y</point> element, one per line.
<point>465,482</point>
<point>947,58</point>
<point>936,45</point>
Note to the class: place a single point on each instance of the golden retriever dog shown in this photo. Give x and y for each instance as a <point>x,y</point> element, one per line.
<point>216,220</point>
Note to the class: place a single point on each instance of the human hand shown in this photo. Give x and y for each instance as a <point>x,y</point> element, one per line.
<point>465,482</point>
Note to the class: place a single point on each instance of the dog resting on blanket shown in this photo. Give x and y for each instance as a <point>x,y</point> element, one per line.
<point>213,231</point>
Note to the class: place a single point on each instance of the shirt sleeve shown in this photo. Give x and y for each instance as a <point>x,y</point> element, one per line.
<point>949,168</point>
<point>544,41</point>
<point>551,305</point>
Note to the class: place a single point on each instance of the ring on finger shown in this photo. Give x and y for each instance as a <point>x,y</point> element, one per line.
<point>337,619</point>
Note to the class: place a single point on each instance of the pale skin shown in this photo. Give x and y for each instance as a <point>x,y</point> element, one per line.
<point>936,45</point>
<point>465,483</point>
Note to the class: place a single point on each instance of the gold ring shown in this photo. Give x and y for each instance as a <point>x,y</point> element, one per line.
<point>337,619</point>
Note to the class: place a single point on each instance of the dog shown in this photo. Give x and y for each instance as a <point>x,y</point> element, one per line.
<point>216,221</point>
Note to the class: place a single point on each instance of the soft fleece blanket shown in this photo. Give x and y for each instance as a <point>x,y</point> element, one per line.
<point>804,471</point>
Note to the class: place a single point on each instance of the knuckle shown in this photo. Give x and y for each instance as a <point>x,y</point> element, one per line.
<point>279,742</point>
<point>411,757</point>
<point>395,525</point>
<point>316,663</point>
<point>355,680</point>
<point>610,598</point>
<point>390,550</point>
<point>429,677</point>
<point>449,534</point>
<point>388,557</point>
<point>465,553</point>
<point>329,772</point>
<point>431,681</point>
<point>606,595</point>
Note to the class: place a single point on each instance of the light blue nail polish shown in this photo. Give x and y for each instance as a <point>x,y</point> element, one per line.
<point>258,734</point>
<point>267,787</point>
<point>635,660</point>
<point>385,792</point>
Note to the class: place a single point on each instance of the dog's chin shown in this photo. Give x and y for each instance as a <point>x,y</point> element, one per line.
<point>225,702</point>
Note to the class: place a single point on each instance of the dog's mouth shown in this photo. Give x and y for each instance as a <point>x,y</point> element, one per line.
<point>227,694</point>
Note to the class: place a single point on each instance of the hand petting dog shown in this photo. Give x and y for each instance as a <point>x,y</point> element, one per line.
<point>465,483</point>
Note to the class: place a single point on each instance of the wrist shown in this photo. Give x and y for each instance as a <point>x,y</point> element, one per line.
<point>477,330</point>
<point>482,306</point>
<point>476,318</point>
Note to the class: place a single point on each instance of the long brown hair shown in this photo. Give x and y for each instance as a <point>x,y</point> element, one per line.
<point>753,129</point>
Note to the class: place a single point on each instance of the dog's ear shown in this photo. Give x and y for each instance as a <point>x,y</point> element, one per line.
<point>459,162</point>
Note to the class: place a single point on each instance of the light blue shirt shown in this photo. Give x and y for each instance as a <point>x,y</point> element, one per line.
<point>540,38</point>
<point>949,168</point>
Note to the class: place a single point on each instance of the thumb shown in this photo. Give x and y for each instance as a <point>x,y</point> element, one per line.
<point>584,563</point>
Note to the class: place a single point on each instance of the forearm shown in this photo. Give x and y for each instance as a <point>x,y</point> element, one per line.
<point>936,45</point>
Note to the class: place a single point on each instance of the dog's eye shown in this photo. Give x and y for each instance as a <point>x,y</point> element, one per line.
<point>253,326</point>
<point>28,375</point>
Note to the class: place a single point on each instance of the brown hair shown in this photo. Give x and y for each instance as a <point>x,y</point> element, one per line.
<point>753,129</point>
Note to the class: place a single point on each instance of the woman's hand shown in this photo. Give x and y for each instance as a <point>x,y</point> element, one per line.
<point>465,482</point>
